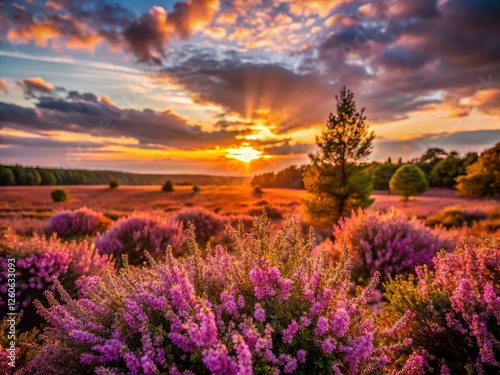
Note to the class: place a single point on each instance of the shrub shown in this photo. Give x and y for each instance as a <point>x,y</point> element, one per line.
<point>455,217</point>
<point>257,191</point>
<point>133,235</point>
<point>456,308</point>
<point>38,261</point>
<point>168,186</point>
<point>271,212</point>
<point>272,309</point>
<point>207,224</point>
<point>113,184</point>
<point>59,195</point>
<point>196,189</point>
<point>408,181</point>
<point>78,223</point>
<point>388,243</point>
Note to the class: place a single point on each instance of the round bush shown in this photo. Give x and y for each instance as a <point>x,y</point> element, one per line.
<point>138,233</point>
<point>168,186</point>
<point>59,195</point>
<point>389,242</point>
<point>408,181</point>
<point>37,261</point>
<point>113,184</point>
<point>456,309</point>
<point>207,223</point>
<point>196,189</point>
<point>257,191</point>
<point>272,309</point>
<point>78,223</point>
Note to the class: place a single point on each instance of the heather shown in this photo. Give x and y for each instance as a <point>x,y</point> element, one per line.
<point>78,223</point>
<point>38,262</point>
<point>207,223</point>
<point>133,235</point>
<point>456,308</point>
<point>388,242</point>
<point>272,309</point>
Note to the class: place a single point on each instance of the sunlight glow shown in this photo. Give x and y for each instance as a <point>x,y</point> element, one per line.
<point>244,153</point>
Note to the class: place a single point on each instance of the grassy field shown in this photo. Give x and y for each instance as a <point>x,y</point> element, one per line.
<point>27,208</point>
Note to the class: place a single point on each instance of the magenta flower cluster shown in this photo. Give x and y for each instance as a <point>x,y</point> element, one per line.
<point>38,261</point>
<point>207,223</point>
<point>469,278</point>
<point>273,309</point>
<point>78,223</point>
<point>134,235</point>
<point>389,242</point>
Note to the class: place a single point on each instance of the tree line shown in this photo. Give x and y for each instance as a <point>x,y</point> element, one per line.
<point>441,169</point>
<point>12,175</point>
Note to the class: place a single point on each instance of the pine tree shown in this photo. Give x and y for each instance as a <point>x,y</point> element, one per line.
<point>336,185</point>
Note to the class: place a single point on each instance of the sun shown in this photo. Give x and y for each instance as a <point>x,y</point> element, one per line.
<point>244,153</point>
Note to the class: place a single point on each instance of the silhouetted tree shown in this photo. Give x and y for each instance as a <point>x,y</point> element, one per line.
<point>335,183</point>
<point>7,177</point>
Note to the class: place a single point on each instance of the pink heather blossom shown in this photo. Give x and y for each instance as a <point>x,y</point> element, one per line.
<point>138,233</point>
<point>321,326</point>
<point>78,223</point>
<point>267,309</point>
<point>301,356</point>
<point>267,281</point>
<point>207,224</point>
<point>290,332</point>
<point>389,242</point>
<point>259,314</point>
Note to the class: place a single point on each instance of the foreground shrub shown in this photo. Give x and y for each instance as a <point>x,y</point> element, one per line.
<point>456,218</point>
<point>59,195</point>
<point>38,261</point>
<point>389,243</point>
<point>273,309</point>
<point>168,186</point>
<point>207,223</point>
<point>133,235</point>
<point>456,308</point>
<point>78,223</point>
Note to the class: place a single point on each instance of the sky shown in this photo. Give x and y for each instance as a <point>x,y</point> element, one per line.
<point>242,86</point>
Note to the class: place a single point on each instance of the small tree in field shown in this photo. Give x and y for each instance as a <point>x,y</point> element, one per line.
<point>196,189</point>
<point>408,181</point>
<point>168,186</point>
<point>113,184</point>
<point>335,184</point>
<point>59,195</point>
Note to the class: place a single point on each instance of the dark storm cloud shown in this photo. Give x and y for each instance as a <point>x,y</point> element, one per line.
<point>88,116</point>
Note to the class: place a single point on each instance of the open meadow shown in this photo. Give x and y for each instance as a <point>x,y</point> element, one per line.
<point>28,208</point>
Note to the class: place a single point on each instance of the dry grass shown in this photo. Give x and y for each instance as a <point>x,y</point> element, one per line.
<point>28,207</point>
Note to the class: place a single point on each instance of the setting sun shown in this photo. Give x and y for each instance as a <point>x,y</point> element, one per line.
<point>244,153</point>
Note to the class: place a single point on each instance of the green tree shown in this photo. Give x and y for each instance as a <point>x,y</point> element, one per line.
<point>7,177</point>
<point>381,175</point>
<point>483,176</point>
<point>168,186</point>
<point>113,184</point>
<point>409,181</point>
<point>47,176</point>
<point>335,183</point>
<point>445,172</point>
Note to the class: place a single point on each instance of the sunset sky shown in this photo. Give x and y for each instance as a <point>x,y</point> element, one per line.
<point>243,86</point>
